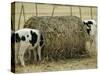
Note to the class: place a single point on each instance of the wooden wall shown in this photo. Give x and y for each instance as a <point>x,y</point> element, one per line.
<point>23,11</point>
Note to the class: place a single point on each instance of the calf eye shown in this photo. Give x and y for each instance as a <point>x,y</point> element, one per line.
<point>27,35</point>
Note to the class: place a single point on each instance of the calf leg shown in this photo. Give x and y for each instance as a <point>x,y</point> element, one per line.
<point>39,53</point>
<point>16,53</point>
<point>21,53</point>
<point>21,57</point>
<point>35,55</point>
<point>16,57</point>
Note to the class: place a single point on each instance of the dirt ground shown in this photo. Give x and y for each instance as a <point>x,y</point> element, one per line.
<point>61,65</point>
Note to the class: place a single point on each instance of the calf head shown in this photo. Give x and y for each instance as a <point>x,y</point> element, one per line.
<point>88,24</point>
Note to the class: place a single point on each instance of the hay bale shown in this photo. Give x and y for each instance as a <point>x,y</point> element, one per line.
<point>64,36</point>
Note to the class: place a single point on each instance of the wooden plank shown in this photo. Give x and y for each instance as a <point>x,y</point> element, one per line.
<point>59,4</point>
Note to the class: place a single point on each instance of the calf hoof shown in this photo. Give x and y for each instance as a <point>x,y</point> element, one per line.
<point>35,63</point>
<point>39,62</point>
<point>23,65</point>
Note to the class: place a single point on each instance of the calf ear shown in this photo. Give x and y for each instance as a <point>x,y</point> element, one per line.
<point>84,23</point>
<point>31,32</point>
<point>90,22</point>
<point>17,37</point>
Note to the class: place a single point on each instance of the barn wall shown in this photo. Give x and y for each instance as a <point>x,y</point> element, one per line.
<point>46,10</point>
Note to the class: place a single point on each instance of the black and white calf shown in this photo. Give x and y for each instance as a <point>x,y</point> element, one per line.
<point>27,39</point>
<point>91,26</point>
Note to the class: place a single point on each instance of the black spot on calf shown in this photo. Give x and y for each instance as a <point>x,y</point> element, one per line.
<point>90,22</point>
<point>41,40</point>
<point>17,37</point>
<point>88,31</point>
<point>33,38</point>
<point>23,38</point>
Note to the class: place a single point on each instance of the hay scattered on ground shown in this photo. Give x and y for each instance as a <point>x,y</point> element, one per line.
<point>62,65</point>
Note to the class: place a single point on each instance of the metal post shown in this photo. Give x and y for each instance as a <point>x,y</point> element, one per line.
<point>36,9</point>
<point>71,11</point>
<point>23,13</point>
<point>52,14</point>
<point>12,25</point>
<point>20,17</point>
<point>80,12</point>
<point>91,12</point>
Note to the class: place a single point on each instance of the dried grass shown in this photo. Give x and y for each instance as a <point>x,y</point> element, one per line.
<point>64,36</point>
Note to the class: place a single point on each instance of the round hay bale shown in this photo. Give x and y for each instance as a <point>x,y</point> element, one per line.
<point>64,36</point>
